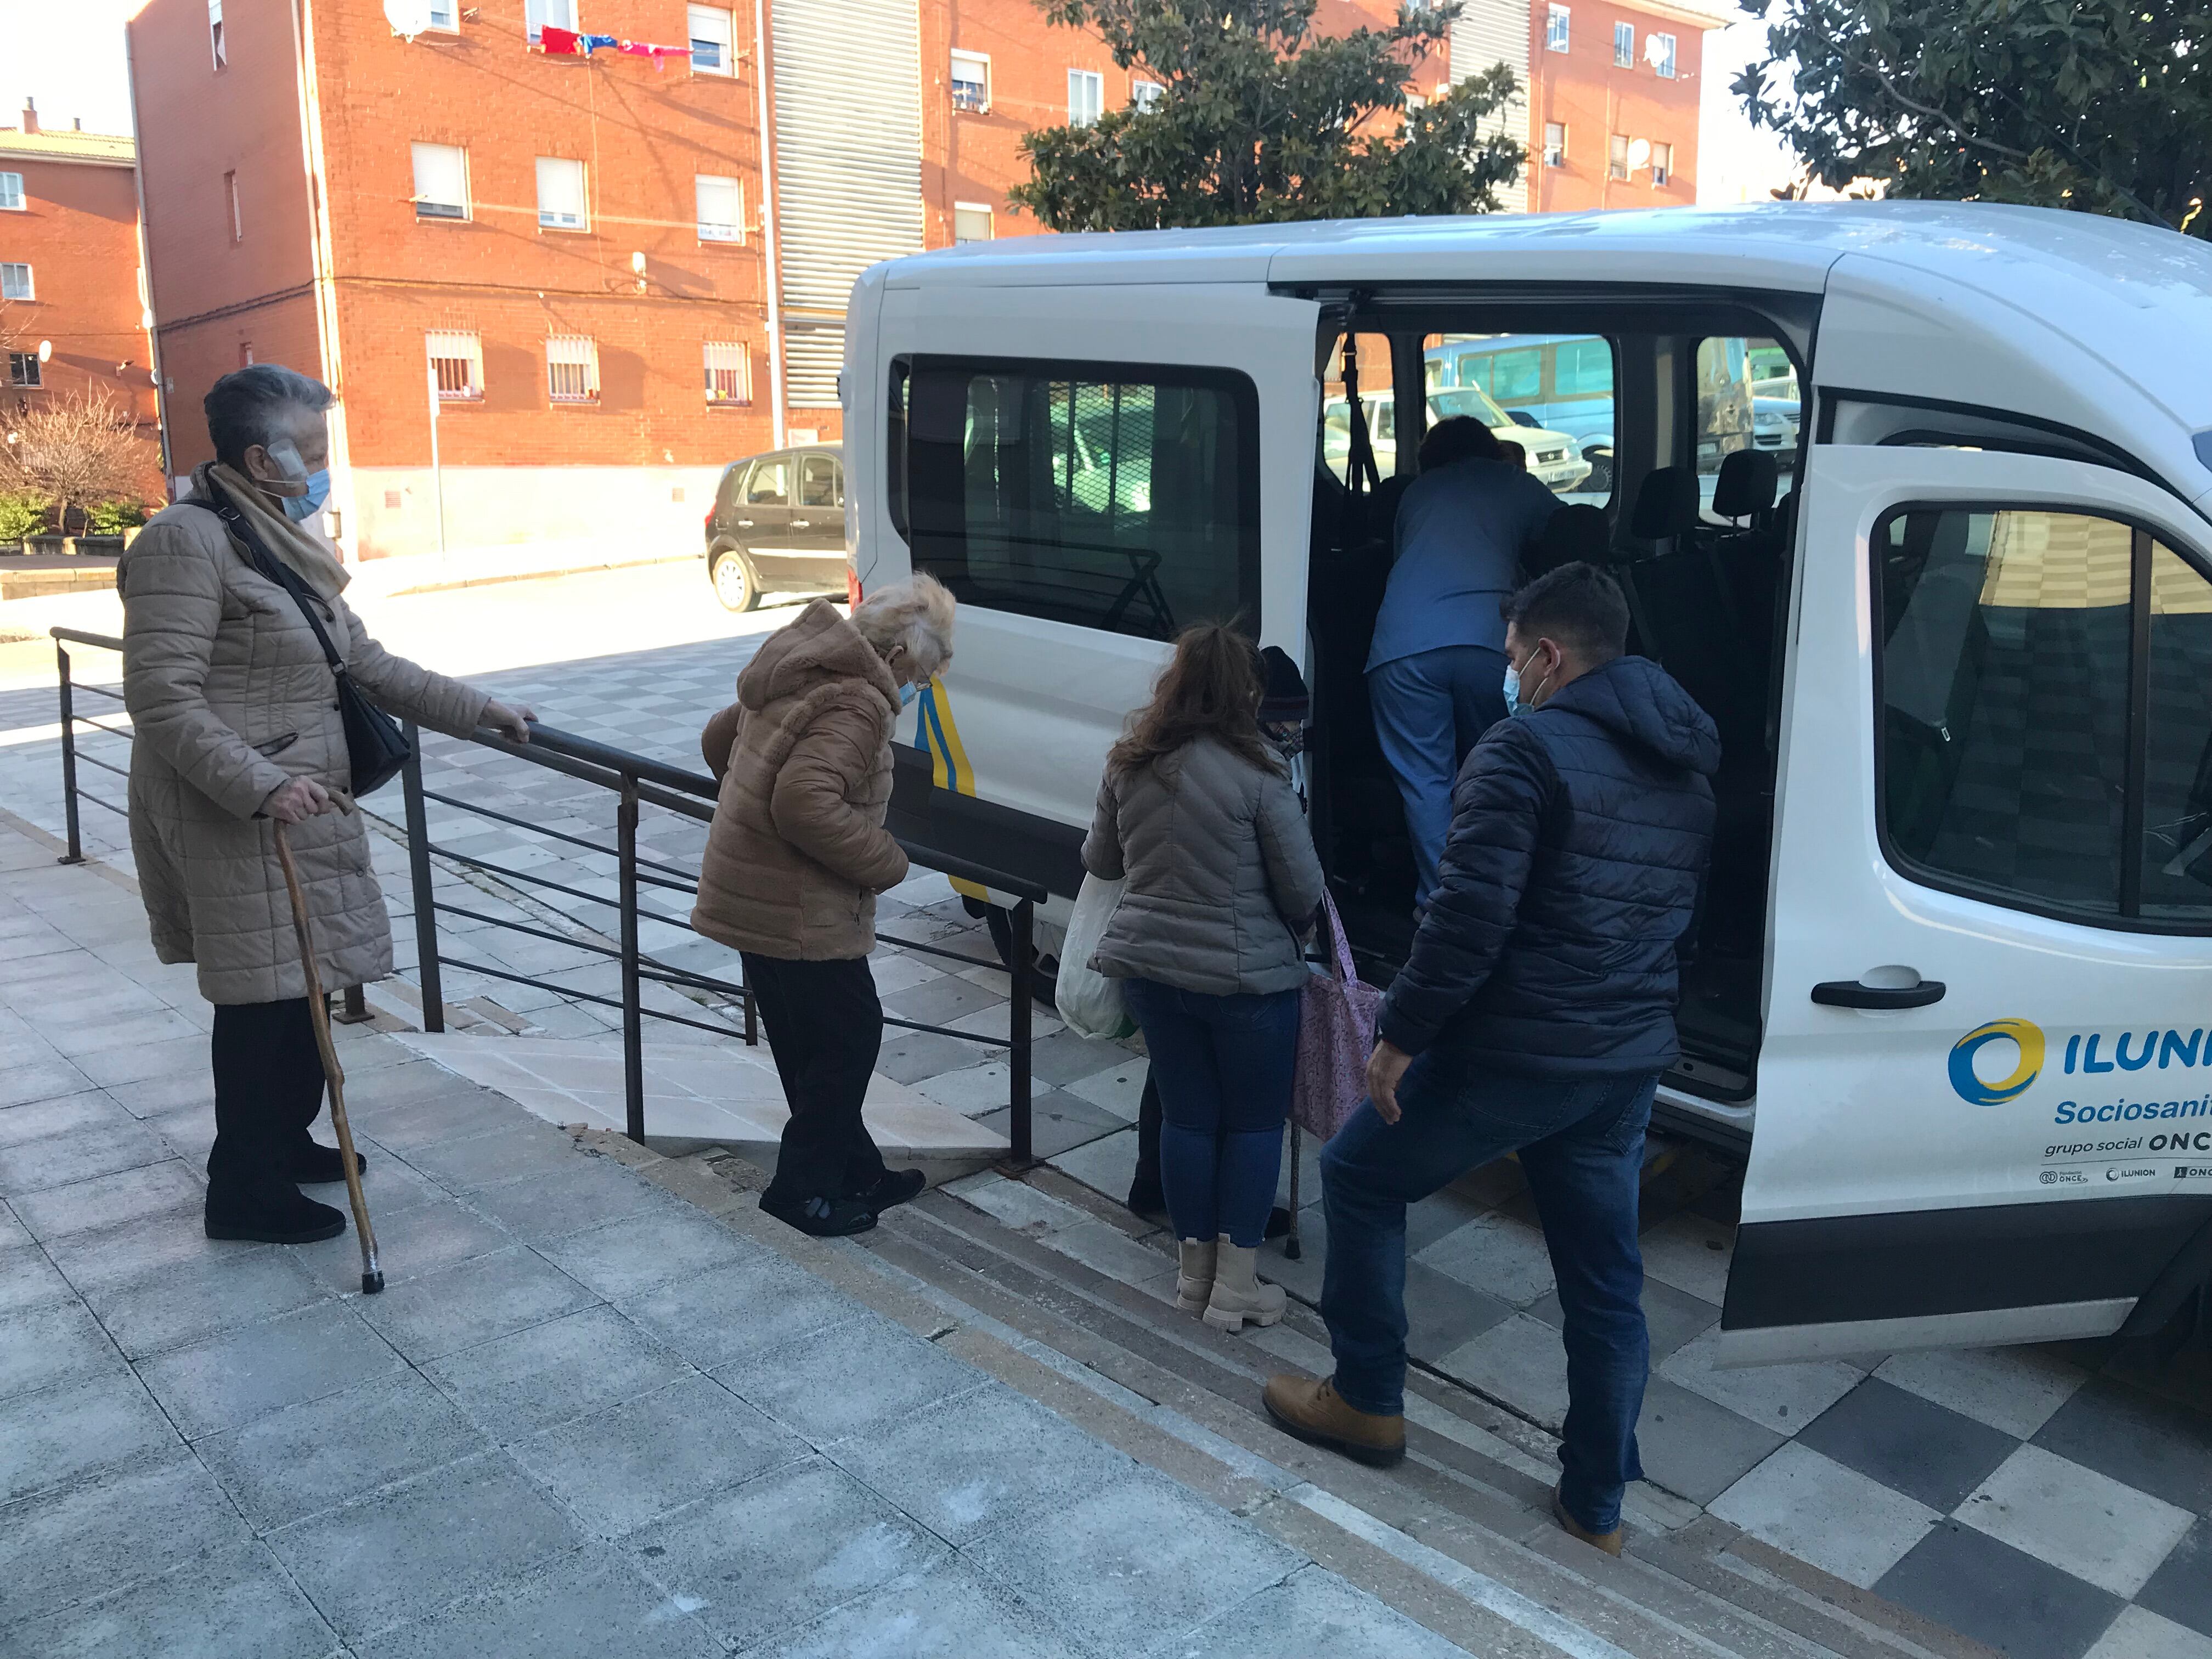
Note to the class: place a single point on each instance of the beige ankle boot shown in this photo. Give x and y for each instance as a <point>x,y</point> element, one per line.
<point>1239,1298</point>
<point>1194,1273</point>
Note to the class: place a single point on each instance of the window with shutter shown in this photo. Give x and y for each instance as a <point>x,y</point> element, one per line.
<point>441,181</point>
<point>713,41</point>
<point>971,222</point>
<point>722,208</point>
<point>971,81</point>
<point>537,14</point>
<point>560,203</point>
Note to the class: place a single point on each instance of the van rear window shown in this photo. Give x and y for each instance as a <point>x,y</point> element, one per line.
<point>1112,496</point>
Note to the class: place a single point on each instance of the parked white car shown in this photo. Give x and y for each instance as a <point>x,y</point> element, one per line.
<point>1951,986</point>
<point>1552,460</point>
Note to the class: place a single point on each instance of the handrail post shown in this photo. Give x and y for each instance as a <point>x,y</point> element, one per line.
<point>418,871</point>
<point>75,854</point>
<point>1023,1151</point>
<point>633,1014</point>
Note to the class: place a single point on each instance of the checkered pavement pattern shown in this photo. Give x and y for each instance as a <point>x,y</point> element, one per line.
<point>2048,1501</point>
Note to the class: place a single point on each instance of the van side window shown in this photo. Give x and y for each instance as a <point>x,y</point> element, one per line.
<point>1746,399</point>
<point>2011,768</point>
<point>1122,498</point>
<point>1550,393</point>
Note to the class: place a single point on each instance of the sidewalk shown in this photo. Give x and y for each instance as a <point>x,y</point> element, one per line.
<point>587,1417</point>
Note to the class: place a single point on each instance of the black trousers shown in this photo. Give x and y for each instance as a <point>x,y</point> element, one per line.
<point>825,1026</point>
<point>268,1089</point>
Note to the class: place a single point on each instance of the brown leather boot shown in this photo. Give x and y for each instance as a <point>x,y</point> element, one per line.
<point>1607,1541</point>
<point>1314,1412</point>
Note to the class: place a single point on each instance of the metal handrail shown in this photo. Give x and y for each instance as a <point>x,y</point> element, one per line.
<point>637,781</point>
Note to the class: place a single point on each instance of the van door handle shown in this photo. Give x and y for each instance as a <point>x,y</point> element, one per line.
<point>1849,993</point>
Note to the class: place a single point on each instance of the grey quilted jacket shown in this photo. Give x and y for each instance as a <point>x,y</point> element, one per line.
<point>1222,877</point>
<point>230,698</point>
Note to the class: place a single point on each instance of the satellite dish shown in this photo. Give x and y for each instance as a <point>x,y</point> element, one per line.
<point>46,351</point>
<point>1639,152</point>
<point>407,17</point>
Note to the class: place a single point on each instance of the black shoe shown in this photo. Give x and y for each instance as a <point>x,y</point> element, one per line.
<point>1146,1201</point>
<point>893,1186</point>
<point>272,1215</point>
<point>315,1163</point>
<point>1278,1223</point>
<point>821,1217</point>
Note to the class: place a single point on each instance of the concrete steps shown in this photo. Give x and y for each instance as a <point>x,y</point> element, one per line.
<point>1459,1537</point>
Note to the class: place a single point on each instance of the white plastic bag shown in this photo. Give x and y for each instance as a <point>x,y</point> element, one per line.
<point>1090,1004</point>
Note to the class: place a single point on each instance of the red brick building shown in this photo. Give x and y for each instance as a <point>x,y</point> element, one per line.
<point>72,311</point>
<point>1613,122</point>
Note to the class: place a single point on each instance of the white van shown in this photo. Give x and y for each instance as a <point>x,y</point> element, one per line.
<point>1952,986</point>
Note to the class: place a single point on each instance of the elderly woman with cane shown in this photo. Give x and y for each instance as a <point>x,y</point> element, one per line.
<point>238,651</point>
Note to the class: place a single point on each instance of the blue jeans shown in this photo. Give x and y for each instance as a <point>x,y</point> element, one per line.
<point>1429,710</point>
<point>1222,1065</point>
<point>1581,1142</point>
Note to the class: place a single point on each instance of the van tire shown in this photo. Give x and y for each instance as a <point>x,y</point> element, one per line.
<point>1601,475</point>
<point>737,584</point>
<point>1045,982</point>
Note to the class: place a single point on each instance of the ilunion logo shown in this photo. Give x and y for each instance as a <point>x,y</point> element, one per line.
<point>1971,1088</point>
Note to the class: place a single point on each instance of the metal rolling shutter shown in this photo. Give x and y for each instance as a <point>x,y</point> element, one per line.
<point>812,354</point>
<point>1496,30</point>
<point>848,150</point>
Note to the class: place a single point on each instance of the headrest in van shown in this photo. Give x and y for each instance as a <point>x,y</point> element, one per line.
<point>1667,505</point>
<point>1748,480</point>
<point>1578,530</point>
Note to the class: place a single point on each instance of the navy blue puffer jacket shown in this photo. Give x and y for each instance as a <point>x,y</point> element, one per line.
<point>1578,844</point>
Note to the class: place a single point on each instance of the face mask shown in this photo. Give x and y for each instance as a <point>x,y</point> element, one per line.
<point>907,690</point>
<point>302,492</point>
<point>297,508</point>
<point>1514,706</point>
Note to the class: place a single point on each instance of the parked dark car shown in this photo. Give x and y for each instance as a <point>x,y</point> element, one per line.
<point>778,527</point>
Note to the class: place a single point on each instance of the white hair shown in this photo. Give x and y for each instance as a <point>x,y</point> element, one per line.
<point>917,614</point>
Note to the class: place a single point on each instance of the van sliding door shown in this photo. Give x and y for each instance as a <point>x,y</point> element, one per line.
<point>1985,1090</point>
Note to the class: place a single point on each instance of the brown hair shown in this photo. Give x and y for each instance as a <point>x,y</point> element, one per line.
<point>1210,689</point>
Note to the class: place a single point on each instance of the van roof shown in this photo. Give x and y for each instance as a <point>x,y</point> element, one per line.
<point>2036,302</point>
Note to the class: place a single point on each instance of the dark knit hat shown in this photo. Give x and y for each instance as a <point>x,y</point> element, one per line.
<point>1285,701</point>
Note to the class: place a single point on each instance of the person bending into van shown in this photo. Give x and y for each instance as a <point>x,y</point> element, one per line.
<point>1434,668</point>
<point>1535,1015</point>
<point>795,856</point>
<point>1197,812</point>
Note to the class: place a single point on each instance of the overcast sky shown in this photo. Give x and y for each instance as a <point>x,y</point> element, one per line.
<point>67,54</point>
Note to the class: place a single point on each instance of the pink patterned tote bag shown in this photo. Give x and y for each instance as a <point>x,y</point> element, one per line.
<point>1336,1034</point>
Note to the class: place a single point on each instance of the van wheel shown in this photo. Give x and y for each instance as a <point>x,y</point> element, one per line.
<point>1044,985</point>
<point>1601,477</point>
<point>735,583</point>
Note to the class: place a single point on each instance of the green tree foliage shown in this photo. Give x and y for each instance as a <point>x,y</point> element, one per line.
<point>1261,119</point>
<point>2099,105</point>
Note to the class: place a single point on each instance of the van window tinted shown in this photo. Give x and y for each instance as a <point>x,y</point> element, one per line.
<point>1125,499</point>
<point>1746,399</point>
<point>2005,691</point>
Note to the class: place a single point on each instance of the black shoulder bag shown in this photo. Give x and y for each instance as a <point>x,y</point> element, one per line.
<point>375,746</point>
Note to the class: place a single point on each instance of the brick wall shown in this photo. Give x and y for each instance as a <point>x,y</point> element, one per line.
<point>78,231</point>
<point>1583,88</point>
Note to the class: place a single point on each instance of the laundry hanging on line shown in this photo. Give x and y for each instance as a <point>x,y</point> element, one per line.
<point>568,43</point>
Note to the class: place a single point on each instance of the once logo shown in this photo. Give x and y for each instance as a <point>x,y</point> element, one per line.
<point>2029,1039</point>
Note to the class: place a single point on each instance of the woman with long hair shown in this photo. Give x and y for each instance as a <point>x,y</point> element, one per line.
<point>1197,812</point>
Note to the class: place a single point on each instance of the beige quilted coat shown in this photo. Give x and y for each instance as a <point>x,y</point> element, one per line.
<point>231,696</point>
<point>798,850</point>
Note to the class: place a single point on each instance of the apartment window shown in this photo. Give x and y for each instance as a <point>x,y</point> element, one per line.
<point>442,16</point>
<point>1555,143</point>
<point>441,181</point>
<point>1624,45</point>
<point>1616,163</point>
<point>537,14</point>
<point>729,373</point>
<point>713,41</point>
<point>15,282</point>
<point>214,33</point>
<point>1662,163</point>
<point>721,208</point>
<point>971,81</point>
<point>11,192</point>
<point>1144,94</point>
<point>1086,96</point>
<point>1129,505</point>
<point>23,370</point>
<point>1660,48</point>
<point>246,354</point>
<point>230,196</point>
<point>971,222</point>
<point>561,205</point>
<point>456,365</point>
<point>1555,28</point>
<point>572,369</point>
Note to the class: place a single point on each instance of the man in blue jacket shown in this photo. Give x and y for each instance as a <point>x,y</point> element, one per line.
<point>1535,1014</point>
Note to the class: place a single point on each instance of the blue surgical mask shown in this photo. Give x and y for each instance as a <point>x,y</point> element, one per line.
<point>297,508</point>
<point>1514,706</point>
<point>906,693</point>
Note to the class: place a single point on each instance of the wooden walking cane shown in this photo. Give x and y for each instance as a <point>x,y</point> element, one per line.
<point>371,1276</point>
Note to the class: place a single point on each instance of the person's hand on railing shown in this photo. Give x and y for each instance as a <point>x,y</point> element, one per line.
<point>297,801</point>
<point>511,723</point>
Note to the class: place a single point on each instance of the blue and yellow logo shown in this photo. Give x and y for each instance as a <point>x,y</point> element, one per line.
<point>1971,1088</point>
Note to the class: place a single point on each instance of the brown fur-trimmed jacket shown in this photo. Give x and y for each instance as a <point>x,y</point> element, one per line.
<point>798,850</point>
<point>230,698</point>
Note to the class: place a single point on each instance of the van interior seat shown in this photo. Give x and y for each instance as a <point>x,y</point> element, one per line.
<point>1575,533</point>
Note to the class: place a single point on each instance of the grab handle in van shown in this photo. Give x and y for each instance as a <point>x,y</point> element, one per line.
<point>1849,993</point>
